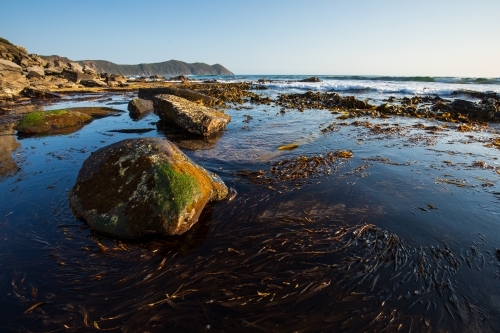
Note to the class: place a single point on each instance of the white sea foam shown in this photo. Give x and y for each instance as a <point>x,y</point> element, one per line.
<point>376,87</point>
<point>384,87</point>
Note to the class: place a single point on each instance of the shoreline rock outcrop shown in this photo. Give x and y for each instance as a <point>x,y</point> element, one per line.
<point>191,116</point>
<point>12,81</point>
<point>139,187</point>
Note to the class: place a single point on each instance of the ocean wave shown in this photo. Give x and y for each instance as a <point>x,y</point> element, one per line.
<point>376,86</point>
<point>456,80</point>
<point>370,78</point>
<point>385,87</point>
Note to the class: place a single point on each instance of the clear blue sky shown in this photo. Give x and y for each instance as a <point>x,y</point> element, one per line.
<point>377,37</point>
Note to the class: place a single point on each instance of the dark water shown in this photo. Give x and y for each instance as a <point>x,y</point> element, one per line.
<point>400,237</point>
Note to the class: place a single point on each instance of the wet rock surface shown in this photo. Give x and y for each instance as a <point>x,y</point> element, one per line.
<point>156,189</point>
<point>61,121</point>
<point>52,122</point>
<point>190,116</point>
<point>311,79</point>
<point>138,106</point>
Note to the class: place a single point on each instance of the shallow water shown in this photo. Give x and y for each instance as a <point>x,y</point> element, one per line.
<point>403,235</point>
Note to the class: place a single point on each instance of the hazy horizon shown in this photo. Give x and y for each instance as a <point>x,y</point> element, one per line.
<point>389,38</point>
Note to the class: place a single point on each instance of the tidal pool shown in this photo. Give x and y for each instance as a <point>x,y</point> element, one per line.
<point>402,236</point>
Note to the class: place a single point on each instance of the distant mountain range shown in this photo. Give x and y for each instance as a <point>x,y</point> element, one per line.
<point>171,67</point>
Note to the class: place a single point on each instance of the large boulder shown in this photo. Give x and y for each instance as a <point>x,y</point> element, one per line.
<point>55,67</point>
<point>75,66</point>
<point>89,70</point>
<point>72,75</point>
<point>144,186</point>
<point>76,76</point>
<point>193,96</point>
<point>35,71</point>
<point>12,82</point>
<point>138,106</point>
<point>190,116</point>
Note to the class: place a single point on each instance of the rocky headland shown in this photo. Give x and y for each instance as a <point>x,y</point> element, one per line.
<point>165,68</point>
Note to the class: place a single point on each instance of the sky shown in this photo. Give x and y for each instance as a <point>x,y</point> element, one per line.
<point>313,37</point>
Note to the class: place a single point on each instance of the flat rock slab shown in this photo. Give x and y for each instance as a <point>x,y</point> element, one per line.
<point>139,187</point>
<point>150,93</point>
<point>52,122</point>
<point>61,121</point>
<point>190,116</point>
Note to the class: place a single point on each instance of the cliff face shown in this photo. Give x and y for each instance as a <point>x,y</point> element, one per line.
<point>171,67</point>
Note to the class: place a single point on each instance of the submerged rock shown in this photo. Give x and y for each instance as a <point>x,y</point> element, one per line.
<point>190,116</point>
<point>138,187</point>
<point>51,122</point>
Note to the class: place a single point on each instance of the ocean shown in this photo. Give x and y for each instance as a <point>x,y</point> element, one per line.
<point>376,87</point>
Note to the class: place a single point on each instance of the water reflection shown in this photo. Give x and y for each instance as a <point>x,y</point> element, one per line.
<point>8,143</point>
<point>184,139</point>
<point>139,116</point>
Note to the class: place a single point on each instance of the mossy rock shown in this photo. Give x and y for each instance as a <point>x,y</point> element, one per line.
<point>143,186</point>
<point>61,121</point>
<point>52,122</point>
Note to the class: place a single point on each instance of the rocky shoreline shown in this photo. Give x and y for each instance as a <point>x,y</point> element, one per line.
<point>197,108</point>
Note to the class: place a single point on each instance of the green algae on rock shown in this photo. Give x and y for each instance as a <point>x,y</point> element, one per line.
<point>61,121</point>
<point>138,187</point>
<point>52,122</point>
